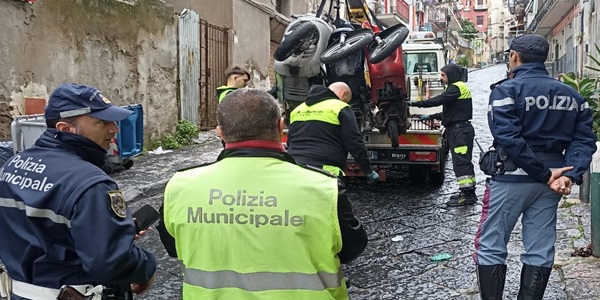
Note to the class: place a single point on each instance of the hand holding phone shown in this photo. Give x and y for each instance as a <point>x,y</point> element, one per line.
<point>145,217</point>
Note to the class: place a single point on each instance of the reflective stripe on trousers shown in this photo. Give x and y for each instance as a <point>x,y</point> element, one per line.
<point>263,281</point>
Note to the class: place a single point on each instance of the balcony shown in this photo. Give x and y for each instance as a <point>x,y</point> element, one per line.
<point>549,15</point>
<point>480,7</point>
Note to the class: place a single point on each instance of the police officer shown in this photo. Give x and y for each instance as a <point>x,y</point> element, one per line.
<point>64,221</point>
<point>545,129</point>
<point>254,224</point>
<point>456,117</point>
<point>236,77</point>
<point>323,130</point>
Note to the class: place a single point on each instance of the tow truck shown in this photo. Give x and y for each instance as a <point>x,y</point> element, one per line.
<point>393,133</point>
<point>424,146</point>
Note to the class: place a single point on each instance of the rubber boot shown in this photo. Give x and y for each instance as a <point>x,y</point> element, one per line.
<point>533,282</point>
<point>491,281</point>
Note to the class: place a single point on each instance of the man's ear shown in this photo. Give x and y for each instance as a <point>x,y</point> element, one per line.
<point>64,126</point>
<point>280,126</point>
<point>220,133</point>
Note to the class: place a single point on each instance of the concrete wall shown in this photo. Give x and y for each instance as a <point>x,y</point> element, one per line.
<point>251,40</point>
<point>218,12</point>
<point>129,52</point>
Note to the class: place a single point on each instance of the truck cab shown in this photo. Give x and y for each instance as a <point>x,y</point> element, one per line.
<point>424,58</point>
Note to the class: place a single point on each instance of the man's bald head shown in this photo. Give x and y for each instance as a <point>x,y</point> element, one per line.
<point>342,90</point>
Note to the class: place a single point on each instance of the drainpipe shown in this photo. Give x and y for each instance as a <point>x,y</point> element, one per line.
<point>595,199</point>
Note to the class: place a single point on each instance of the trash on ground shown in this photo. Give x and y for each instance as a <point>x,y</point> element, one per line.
<point>159,150</point>
<point>397,238</point>
<point>440,257</point>
<point>583,251</point>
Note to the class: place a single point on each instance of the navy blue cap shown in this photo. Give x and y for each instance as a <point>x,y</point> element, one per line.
<point>533,44</point>
<point>72,99</point>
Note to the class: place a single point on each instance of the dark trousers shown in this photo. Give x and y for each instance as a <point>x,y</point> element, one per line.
<point>460,142</point>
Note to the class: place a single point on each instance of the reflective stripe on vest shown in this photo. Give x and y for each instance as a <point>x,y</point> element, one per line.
<point>263,281</point>
<point>268,229</point>
<point>224,91</point>
<point>325,111</point>
<point>464,90</point>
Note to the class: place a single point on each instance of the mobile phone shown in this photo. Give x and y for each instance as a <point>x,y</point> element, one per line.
<point>145,217</point>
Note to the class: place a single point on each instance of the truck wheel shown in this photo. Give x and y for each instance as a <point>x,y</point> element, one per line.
<point>294,39</point>
<point>354,42</point>
<point>393,133</point>
<point>437,178</point>
<point>418,173</point>
<point>391,39</point>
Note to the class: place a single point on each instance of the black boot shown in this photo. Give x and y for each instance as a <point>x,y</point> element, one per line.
<point>491,281</point>
<point>464,198</point>
<point>533,282</point>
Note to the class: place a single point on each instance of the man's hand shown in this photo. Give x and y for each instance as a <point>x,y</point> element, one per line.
<point>412,103</point>
<point>141,233</point>
<point>138,288</point>
<point>558,173</point>
<point>373,177</point>
<point>562,185</point>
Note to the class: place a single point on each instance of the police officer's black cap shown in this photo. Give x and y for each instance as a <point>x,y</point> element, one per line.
<point>72,99</point>
<point>533,44</point>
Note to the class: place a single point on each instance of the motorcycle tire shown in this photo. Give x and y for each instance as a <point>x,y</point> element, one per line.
<point>392,129</point>
<point>392,38</point>
<point>355,42</point>
<point>293,39</point>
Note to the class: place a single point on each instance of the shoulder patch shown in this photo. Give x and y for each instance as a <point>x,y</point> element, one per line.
<point>117,203</point>
<point>197,166</point>
<point>317,170</point>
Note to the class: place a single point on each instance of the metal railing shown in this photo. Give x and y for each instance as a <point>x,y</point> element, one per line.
<point>544,10</point>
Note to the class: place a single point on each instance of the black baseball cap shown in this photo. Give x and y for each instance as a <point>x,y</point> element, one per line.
<point>533,44</point>
<point>72,99</point>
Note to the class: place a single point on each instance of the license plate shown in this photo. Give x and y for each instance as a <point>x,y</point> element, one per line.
<point>372,154</point>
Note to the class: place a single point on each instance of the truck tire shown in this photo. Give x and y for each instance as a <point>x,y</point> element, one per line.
<point>418,173</point>
<point>392,129</point>
<point>392,38</point>
<point>294,39</point>
<point>437,178</point>
<point>355,42</point>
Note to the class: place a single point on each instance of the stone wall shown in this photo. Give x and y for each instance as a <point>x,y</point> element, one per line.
<point>127,50</point>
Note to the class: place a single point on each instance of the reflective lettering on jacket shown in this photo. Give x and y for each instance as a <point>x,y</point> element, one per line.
<point>556,102</point>
<point>325,111</point>
<point>269,232</point>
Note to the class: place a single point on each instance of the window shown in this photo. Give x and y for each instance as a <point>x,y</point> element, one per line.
<point>480,2</point>
<point>479,20</point>
<point>424,62</point>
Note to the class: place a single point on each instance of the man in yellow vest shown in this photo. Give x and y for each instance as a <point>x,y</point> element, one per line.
<point>456,117</point>
<point>254,224</point>
<point>323,130</point>
<point>236,77</point>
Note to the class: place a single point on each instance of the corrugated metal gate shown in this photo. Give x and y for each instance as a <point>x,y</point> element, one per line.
<point>189,65</point>
<point>214,48</point>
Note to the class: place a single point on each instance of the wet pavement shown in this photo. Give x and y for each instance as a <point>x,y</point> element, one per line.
<point>407,223</point>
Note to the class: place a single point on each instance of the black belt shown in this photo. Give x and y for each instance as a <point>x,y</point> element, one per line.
<point>458,123</point>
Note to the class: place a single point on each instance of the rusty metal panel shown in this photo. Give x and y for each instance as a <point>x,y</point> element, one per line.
<point>189,65</point>
<point>215,60</point>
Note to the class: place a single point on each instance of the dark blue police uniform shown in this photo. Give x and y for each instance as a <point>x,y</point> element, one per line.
<point>540,123</point>
<point>64,221</point>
